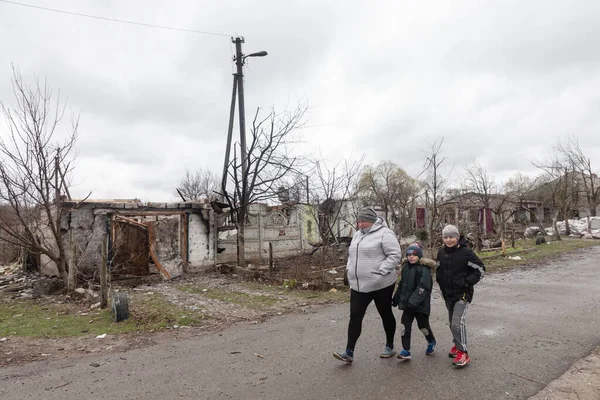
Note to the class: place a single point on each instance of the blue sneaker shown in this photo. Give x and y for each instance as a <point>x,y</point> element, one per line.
<point>387,352</point>
<point>346,356</point>
<point>404,355</point>
<point>430,347</point>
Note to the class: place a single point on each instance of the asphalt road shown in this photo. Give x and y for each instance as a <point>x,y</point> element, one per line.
<point>526,327</point>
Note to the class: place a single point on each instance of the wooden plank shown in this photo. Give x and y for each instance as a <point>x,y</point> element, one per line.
<point>130,221</point>
<point>152,237</point>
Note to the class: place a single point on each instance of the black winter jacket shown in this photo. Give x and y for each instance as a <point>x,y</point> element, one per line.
<point>414,289</point>
<point>458,270</point>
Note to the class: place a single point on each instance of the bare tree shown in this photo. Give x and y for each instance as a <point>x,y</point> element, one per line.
<point>202,183</point>
<point>480,184</point>
<point>34,171</point>
<point>335,186</point>
<point>559,186</point>
<point>519,190</point>
<point>264,169</point>
<point>436,184</point>
<point>588,178</point>
<point>390,187</point>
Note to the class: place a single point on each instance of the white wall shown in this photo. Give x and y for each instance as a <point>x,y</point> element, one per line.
<point>200,242</point>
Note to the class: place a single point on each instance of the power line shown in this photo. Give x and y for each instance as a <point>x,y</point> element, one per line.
<point>113,19</point>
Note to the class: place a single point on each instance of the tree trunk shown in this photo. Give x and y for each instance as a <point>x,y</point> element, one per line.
<point>555,225</point>
<point>72,269</point>
<point>62,270</point>
<point>589,223</point>
<point>241,250</point>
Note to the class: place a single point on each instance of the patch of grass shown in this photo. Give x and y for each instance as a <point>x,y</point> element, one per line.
<point>341,293</point>
<point>30,318</point>
<point>153,311</point>
<point>534,253</point>
<point>253,301</point>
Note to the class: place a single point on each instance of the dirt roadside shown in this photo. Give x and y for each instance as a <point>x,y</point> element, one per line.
<point>256,303</point>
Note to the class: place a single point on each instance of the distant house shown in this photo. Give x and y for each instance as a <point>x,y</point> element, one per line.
<point>575,193</point>
<point>468,209</point>
<point>338,217</point>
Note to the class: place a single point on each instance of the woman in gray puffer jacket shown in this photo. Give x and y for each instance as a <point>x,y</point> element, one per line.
<point>373,256</point>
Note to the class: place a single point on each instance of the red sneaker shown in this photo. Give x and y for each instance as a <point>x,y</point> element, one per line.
<point>461,359</point>
<point>453,352</point>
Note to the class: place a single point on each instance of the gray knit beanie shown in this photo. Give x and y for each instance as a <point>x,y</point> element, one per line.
<point>450,231</point>
<point>367,214</point>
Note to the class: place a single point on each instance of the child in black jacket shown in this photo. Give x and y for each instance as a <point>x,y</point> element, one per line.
<point>458,270</point>
<point>413,296</point>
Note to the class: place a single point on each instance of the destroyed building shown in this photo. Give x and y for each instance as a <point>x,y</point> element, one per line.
<point>175,237</point>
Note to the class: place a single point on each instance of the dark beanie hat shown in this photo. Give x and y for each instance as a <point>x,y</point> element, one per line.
<point>414,249</point>
<point>367,214</point>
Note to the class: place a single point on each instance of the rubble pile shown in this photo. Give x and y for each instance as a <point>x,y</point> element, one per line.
<point>10,269</point>
<point>579,228</point>
<point>15,284</point>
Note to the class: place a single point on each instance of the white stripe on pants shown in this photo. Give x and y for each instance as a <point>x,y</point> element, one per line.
<point>457,313</point>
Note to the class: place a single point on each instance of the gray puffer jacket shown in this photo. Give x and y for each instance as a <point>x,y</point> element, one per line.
<point>372,258</point>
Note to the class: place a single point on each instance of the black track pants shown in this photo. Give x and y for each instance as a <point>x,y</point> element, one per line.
<point>422,322</point>
<point>358,307</point>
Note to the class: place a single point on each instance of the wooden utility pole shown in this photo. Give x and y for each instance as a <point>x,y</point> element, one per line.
<point>72,269</point>
<point>271,264</point>
<point>229,135</point>
<point>104,272</point>
<point>239,62</point>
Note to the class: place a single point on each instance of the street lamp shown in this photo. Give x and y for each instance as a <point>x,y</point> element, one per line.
<point>257,54</point>
<point>239,61</point>
<point>238,84</point>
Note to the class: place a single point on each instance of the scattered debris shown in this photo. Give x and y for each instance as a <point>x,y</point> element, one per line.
<point>579,228</point>
<point>514,258</point>
<point>101,336</point>
<point>259,355</point>
<point>10,269</point>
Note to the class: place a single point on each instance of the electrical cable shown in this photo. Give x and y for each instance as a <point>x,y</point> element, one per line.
<point>115,19</point>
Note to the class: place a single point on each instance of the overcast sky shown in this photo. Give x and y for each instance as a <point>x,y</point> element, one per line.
<point>502,81</point>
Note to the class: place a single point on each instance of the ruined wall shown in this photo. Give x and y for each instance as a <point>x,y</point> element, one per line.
<point>200,242</point>
<point>89,225</point>
<point>284,227</point>
<point>9,252</point>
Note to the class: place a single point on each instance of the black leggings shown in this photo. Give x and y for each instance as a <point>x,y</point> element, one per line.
<point>422,323</point>
<point>358,307</point>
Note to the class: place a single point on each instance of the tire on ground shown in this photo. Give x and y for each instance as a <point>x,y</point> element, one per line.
<point>120,306</point>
